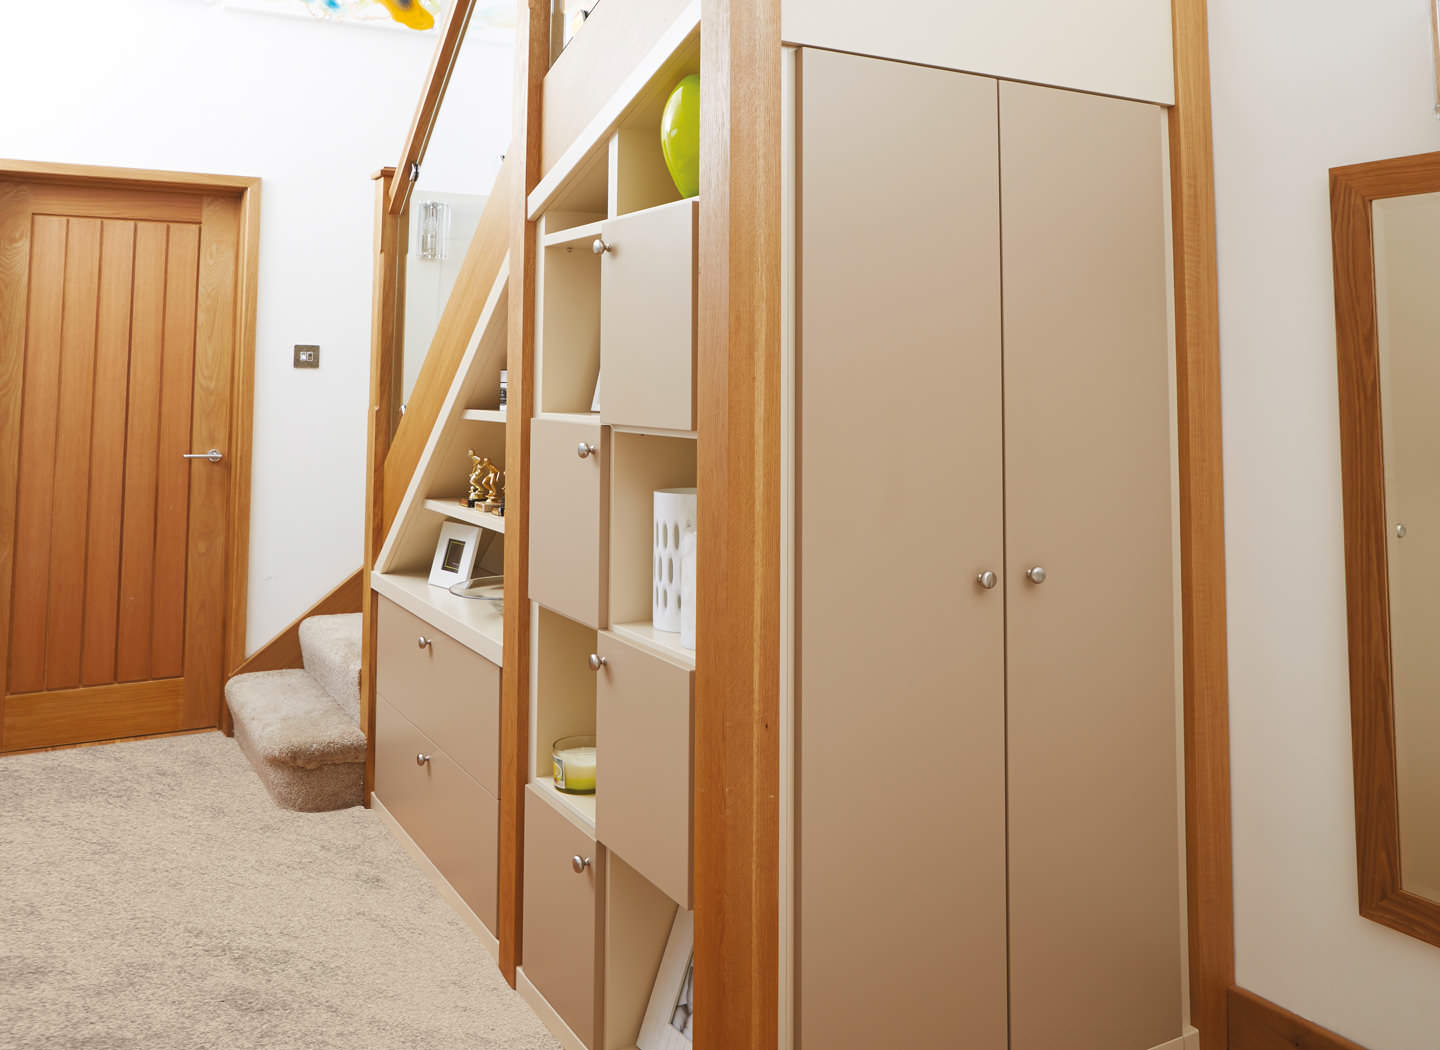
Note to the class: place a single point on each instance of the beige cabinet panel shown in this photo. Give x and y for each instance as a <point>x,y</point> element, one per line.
<point>1094,858</point>
<point>448,691</point>
<point>643,707</point>
<point>900,690</point>
<point>562,921</point>
<point>448,814</point>
<point>647,318</point>
<point>569,514</point>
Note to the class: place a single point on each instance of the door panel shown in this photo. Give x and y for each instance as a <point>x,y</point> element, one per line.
<point>117,563</point>
<point>569,518</point>
<point>900,691</point>
<point>1094,857</point>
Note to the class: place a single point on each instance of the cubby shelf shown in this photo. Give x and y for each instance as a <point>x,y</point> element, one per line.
<point>578,809</point>
<point>582,235</point>
<point>666,643</point>
<point>475,624</point>
<point>472,515</point>
<point>484,415</point>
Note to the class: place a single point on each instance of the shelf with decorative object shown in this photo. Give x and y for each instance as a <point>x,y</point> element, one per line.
<point>453,508</point>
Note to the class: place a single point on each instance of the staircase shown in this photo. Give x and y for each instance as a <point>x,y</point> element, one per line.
<point>301,728</point>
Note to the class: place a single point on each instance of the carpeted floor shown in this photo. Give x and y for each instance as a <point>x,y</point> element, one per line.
<point>153,897</point>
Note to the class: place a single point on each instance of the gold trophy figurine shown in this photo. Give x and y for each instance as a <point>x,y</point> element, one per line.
<point>478,469</point>
<point>490,484</point>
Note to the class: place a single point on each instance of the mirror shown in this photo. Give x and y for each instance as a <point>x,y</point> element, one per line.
<point>470,136</point>
<point>1385,220</point>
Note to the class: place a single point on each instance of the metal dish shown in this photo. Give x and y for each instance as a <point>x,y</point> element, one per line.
<point>483,588</point>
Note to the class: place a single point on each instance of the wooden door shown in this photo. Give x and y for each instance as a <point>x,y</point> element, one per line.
<point>117,312</point>
<point>569,518</point>
<point>900,689</point>
<point>1094,822</point>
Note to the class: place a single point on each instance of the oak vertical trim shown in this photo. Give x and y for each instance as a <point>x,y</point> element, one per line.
<point>531,62</point>
<point>14,299</point>
<point>737,682</point>
<point>1209,883</point>
<point>384,362</point>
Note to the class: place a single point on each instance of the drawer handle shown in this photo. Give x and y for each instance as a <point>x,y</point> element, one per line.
<point>422,759</point>
<point>423,642</point>
<point>1035,575</point>
<point>597,661</point>
<point>579,863</point>
<point>600,246</point>
<point>583,449</point>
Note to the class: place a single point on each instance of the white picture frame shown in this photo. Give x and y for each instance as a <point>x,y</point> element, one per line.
<point>668,1023</point>
<point>454,560</point>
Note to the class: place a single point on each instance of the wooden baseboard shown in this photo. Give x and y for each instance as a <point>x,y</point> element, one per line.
<point>283,651</point>
<point>558,1028</point>
<point>1258,1024</point>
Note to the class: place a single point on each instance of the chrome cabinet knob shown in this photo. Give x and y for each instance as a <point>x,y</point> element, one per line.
<point>986,579</point>
<point>422,759</point>
<point>1035,575</point>
<point>214,455</point>
<point>1400,530</point>
<point>422,642</point>
<point>579,863</point>
<point>600,247</point>
<point>597,661</point>
<point>583,449</point>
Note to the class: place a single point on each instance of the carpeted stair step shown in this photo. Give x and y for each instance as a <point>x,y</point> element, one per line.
<point>330,648</point>
<point>308,753</point>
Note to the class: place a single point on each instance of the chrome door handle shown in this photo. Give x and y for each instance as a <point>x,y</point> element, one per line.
<point>422,642</point>
<point>600,246</point>
<point>597,661</point>
<point>579,863</point>
<point>422,759</point>
<point>584,449</point>
<point>985,579</point>
<point>1035,575</point>
<point>214,455</point>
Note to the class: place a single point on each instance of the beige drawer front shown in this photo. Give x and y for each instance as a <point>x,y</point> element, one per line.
<point>562,919</point>
<point>450,692</point>
<point>569,497</point>
<point>643,708</point>
<point>448,814</point>
<point>647,318</point>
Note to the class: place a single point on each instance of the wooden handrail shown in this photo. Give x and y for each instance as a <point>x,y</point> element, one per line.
<point>477,275</point>
<point>442,64</point>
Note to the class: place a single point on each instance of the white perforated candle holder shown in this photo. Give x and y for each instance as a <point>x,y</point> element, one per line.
<point>674,514</point>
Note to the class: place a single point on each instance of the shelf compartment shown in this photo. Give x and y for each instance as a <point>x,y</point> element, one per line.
<point>638,918</point>
<point>640,464</point>
<point>564,686</point>
<point>665,643</point>
<point>578,809</point>
<point>470,515</point>
<point>568,340</point>
<point>581,236</point>
<point>474,624</point>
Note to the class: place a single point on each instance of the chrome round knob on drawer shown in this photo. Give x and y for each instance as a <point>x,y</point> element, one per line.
<point>582,450</point>
<point>422,759</point>
<point>423,642</point>
<point>1035,575</point>
<point>985,579</point>
<point>579,863</point>
<point>597,661</point>
<point>600,247</point>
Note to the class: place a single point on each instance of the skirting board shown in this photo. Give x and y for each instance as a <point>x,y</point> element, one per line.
<point>1189,1040</point>
<point>447,892</point>
<point>543,1010</point>
<point>1258,1024</point>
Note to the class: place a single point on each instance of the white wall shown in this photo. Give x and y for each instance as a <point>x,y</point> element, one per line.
<point>313,110</point>
<point>1300,86</point>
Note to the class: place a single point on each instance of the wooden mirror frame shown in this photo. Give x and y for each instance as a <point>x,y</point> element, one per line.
<point>1353,191</point>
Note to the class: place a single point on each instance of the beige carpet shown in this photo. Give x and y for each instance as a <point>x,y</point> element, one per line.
<point>152,896</point>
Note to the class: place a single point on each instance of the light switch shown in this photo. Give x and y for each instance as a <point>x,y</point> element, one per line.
<point>307,355</point>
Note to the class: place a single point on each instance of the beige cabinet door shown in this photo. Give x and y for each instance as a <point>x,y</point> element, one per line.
<point>647,318</point>
<point>1094,856</point>
<point>901,690</point>
<point>643,707</point>
<point>569,499</point>
<point>562,921</point>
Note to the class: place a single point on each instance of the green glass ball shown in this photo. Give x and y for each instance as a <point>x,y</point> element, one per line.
<point>680,135</point>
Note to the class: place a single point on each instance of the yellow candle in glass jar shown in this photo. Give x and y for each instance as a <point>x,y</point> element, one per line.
<point>574,764</point>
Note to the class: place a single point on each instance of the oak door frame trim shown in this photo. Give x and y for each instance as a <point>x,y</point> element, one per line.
<point>1258,1024</point>
<point>246,191</point>
<point>1353,189</point>
<point>432,96</point>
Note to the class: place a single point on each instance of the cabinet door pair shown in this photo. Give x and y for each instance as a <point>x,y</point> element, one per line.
<point>987,820</point>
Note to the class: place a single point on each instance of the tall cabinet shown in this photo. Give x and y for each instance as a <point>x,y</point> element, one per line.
<point>986,814</point>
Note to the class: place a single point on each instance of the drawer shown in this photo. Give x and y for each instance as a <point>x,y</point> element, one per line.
<point>448,691</point>
<point>569,516</point>
<point>647,318</point>
<point>643,710</point>
<point>562,916</point>
<point>445,810</point>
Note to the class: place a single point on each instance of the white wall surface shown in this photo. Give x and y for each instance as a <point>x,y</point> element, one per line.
<point>312,110</point>
<point>1300,86</point>
<point>1109,47</point>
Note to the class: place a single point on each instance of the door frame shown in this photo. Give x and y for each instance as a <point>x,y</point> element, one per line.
<point>246,191</point>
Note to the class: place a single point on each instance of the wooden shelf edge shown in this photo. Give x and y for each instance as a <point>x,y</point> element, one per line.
<point>483,415</point>
<point>574,235</point>
<point>478,629</point>
<point>454,509</point>
<point>577,809</point>
<point>643,634</point>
